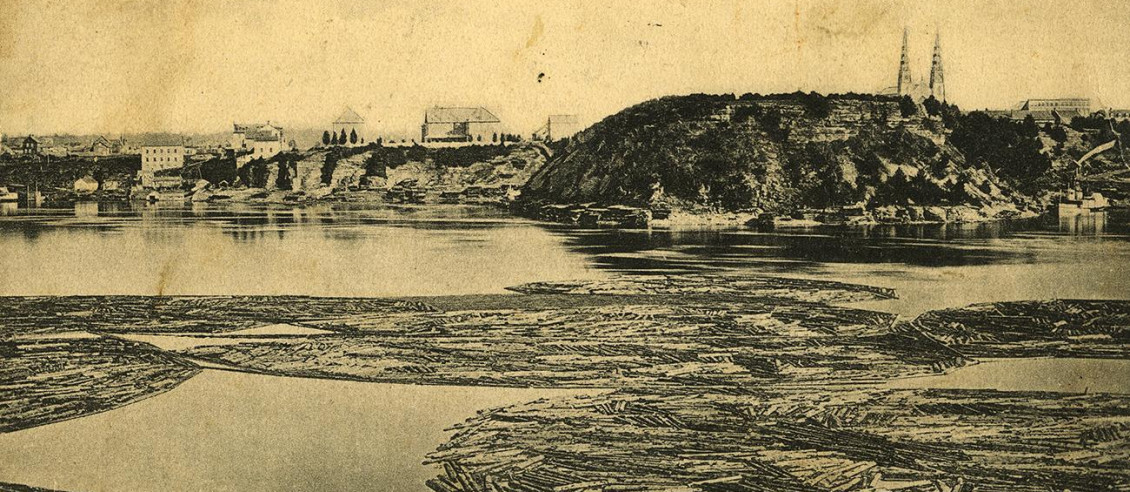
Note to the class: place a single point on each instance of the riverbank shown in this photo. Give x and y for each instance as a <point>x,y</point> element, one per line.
<point>594,215</point>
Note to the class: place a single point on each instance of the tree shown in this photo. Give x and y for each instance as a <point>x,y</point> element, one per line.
<point>326,137</point>
<point>907,107</point>
<point>353,136</point>
<point>1058,134</point>
<point>933,106</point>
<point>333,141</point>
<point>1028,128</point>
<point>342,138</point>
<point>494,138</point>
<point>815,105</point>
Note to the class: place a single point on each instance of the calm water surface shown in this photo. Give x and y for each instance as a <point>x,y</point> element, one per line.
<point>230,431</point>
<point>344,250</point>
<point>227,431</point>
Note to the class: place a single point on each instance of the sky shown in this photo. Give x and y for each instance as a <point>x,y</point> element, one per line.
<point>86,66</point>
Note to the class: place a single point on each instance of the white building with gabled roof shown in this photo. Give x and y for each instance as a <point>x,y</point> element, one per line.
<point>349,122</point>
<point>460,125</point>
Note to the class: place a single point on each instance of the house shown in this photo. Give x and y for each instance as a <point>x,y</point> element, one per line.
<point>349,123</point>
<point>159,153</point>
<point>54,150</point>
<point>460,125</point>
<point>259,141</point>
<point>100,146</point>
<point>243,135</point>
<point>86,185</point>
<point>30,146</point>
<point>265,141</point>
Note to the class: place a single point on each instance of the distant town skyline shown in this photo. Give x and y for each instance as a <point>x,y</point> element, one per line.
<point>197,66</point>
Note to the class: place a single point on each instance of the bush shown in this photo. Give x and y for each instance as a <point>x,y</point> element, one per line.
<point>933,106</point>
<point>815,105</point>
<point>907,107</point>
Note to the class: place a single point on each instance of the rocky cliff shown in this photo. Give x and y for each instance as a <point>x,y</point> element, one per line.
<point>775,154</point>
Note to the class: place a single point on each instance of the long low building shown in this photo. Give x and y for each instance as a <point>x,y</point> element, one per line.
<point>460,125</point>
<point>1048,110</point>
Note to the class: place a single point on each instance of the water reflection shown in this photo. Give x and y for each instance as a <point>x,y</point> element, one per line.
<point>326,249</point>
<point>1093,224</point>
<point>364,250</point>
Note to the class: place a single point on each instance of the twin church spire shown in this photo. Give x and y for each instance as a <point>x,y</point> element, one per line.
<point>937,85</point>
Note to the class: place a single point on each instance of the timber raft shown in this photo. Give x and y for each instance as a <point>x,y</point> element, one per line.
<point>708,382</point>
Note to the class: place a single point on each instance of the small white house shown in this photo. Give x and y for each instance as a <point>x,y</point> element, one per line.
<point>86,185</point>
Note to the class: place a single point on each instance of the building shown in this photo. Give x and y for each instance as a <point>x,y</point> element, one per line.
<point>905,84</point>
<point>245,135</point>
<point>460,125</point>
<point>86,185</point>
<point>30,146</point>
<point>158,154</point>
<point>557,127</point>
<point>1048,110</point>
<point>100,146</point>
<point>348,123</point>
<point>261,141</point>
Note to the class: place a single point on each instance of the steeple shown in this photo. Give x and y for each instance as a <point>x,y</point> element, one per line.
<point>905,84</point>
<point>937,75</point>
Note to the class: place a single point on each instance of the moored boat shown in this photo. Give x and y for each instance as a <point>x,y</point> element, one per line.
<point>7,195</point>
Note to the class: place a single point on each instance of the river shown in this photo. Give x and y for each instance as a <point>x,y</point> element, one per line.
<point>233,431</point>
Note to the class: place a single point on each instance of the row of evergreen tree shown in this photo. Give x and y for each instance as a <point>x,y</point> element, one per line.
<point>332,138</point>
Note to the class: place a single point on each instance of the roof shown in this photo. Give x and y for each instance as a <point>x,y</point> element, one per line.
<point>459,115</point>
<point>33,139</point>
<point>349,117</point>
<point>264,133</point>
<point>248,127</point>
<point>162,140</point>
<point>261,135</point>
<point>1064,102</point>
<point>100,140</point>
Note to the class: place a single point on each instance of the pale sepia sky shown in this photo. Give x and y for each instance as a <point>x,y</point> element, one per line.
<point>197,65</point>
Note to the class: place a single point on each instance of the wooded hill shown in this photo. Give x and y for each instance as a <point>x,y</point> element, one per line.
<point>782,152</point>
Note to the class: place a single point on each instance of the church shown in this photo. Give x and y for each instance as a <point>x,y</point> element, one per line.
<point>919,90</point>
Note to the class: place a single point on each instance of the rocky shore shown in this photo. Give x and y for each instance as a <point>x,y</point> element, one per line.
<point>621,216</point>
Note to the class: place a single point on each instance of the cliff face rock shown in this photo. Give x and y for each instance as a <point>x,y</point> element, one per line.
<point>308,171</point>
<point>348,171</point>
<point>767,153</point>
<point>447,169</point>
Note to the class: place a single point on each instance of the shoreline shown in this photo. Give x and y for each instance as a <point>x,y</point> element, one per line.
<point>622,216</point>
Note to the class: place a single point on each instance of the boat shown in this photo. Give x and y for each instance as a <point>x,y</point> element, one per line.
<point>1075,202</point>
<point>8,196</point>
